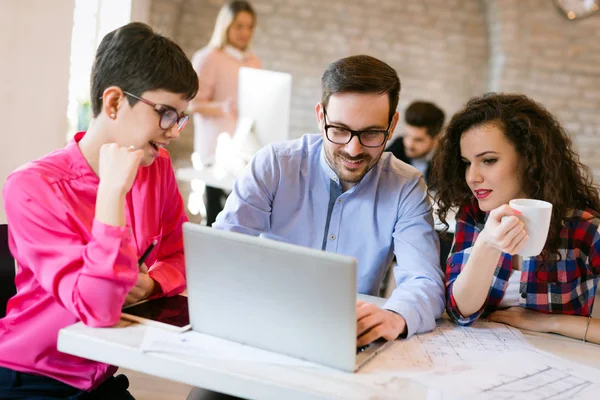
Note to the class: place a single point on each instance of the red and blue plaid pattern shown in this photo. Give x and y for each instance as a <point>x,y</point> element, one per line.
<point>563,285</point>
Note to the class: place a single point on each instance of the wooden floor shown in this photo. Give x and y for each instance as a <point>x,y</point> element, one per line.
<point>147,387</point>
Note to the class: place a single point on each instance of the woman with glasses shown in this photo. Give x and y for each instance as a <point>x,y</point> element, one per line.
<point>80,218</point>
<point>501,147</point>
<point>217,66</point>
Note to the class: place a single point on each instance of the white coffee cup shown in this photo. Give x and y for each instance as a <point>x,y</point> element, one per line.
<point>536,215</point>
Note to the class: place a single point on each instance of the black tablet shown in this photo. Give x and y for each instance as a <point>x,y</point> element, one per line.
<point>166,312</point>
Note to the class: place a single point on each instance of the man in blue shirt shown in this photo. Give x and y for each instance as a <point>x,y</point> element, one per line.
<point>338,191</point>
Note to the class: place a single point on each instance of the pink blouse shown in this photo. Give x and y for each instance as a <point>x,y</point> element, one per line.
<point>72,267</point>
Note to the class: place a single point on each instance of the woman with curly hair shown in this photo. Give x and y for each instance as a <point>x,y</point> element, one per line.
<point>500,147</point>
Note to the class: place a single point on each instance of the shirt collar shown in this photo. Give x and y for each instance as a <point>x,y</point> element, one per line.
<point>427,157</point>
<point>236,53</point>
<point>79,163</point>
<point>329,172</point>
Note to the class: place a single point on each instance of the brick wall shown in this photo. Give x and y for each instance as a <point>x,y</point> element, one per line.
<point>438,47</point>
<point>444,51</point>
<point>537,51</point>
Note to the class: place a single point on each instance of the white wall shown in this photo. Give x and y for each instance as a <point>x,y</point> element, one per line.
<point>140,10</point>
<point>35,43</point>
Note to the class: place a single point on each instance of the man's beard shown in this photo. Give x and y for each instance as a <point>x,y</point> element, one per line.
<point>348,175</point>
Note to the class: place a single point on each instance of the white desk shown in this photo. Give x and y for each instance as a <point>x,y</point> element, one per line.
<point>120,346</point>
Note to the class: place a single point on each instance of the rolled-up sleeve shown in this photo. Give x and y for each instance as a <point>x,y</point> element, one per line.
<point>88,276</point>
<point>467,231</point>
<point>419,296</point>
<point>248,207</point>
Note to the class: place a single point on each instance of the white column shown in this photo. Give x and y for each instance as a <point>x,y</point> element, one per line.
<point>34,73</point>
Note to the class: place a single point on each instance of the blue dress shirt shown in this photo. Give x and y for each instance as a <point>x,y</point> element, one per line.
<point>290,193</point>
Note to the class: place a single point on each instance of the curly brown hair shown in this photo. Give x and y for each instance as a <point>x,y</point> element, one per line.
<point>549,167</point>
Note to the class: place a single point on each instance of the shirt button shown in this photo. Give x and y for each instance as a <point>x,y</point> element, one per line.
<point>340,201</point>
<point>524,295</point>
<point>332,237</point>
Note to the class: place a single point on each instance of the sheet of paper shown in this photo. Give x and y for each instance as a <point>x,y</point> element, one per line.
<point>448,345</point>
<point>198,345</point>
<point>517,375</point>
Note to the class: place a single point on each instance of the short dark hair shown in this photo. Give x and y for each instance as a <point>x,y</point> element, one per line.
<point>361,74</point>
<point>135,58</point>
<point>424,114</point>
<point>548,164</point>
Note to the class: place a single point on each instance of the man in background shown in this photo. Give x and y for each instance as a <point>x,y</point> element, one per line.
<point>417,145</point>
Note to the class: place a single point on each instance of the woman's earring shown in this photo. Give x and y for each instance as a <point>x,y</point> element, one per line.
<point>113,115</point>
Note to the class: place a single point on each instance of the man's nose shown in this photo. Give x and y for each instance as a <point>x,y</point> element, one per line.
<point>354,148</point>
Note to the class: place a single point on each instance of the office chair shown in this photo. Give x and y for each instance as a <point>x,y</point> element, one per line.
<point>7,271</point>
<point>204,394</point>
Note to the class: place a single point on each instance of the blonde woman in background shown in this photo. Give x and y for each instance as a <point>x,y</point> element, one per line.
<point>217,66</point>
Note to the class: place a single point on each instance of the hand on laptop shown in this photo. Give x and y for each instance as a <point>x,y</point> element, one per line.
<point>373,323</point>
<point>143,287</point>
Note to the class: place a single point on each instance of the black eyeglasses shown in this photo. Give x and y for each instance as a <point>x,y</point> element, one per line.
<point>168,115</point>
<point>367,138</point>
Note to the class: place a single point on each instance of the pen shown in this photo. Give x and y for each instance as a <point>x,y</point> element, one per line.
<point>146,253</point>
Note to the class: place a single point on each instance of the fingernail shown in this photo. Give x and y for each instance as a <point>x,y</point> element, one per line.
<point>517,212</point>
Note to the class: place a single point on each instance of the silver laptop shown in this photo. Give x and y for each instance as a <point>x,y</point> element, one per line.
<point>273,295</point>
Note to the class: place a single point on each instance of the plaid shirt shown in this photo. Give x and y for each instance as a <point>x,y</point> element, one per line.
<point>567,286</point>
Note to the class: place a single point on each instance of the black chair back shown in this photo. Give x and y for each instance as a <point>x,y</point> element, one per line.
<point>7,271</point>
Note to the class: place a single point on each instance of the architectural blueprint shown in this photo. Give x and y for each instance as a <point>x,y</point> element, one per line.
<point>517,375</point>
<point>449,345</point>
<point>486,361</point>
